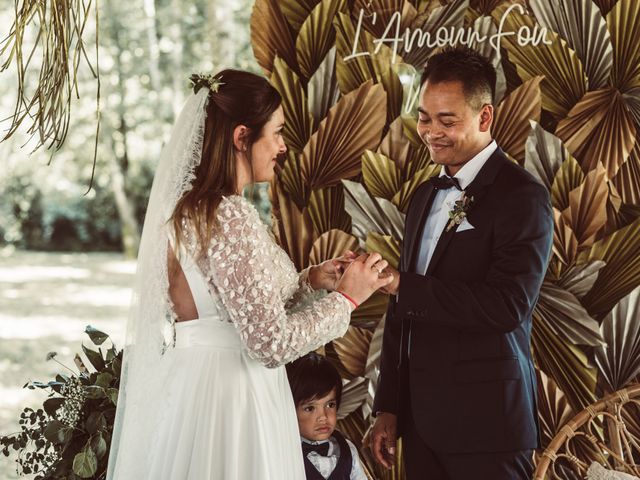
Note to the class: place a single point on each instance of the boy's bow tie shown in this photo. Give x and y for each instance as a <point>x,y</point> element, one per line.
<point>319,448</point>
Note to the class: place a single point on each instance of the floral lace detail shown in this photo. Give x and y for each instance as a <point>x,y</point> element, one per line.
<point>257,284</point>
<point>305,295</point>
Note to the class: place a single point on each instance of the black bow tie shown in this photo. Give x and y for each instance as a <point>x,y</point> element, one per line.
<point>320,448</point>
<point>444,182</point>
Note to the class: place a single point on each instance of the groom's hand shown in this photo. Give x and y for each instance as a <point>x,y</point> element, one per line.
<point>394,286</point>
<point>382,438</point>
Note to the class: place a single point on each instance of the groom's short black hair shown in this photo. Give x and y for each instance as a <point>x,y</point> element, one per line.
<point>465,65</point>
<point>313,376</point>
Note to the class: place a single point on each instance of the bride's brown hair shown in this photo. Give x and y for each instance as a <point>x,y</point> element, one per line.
<point>242,98</point>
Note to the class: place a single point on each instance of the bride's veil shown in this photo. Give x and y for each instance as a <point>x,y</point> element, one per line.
<point>150,326</point>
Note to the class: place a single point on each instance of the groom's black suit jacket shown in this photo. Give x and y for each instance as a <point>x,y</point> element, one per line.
<point>469,378</point>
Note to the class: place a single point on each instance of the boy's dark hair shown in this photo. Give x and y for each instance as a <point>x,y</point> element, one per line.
<point>465,65</point>
<point>313,376</point>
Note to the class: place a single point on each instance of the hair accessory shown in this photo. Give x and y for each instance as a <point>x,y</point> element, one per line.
<point>199,80</point>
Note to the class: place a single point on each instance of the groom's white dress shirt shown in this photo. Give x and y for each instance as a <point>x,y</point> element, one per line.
<point>444,202</point>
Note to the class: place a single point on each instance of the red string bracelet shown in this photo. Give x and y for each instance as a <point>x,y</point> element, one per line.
<point>355,304</point>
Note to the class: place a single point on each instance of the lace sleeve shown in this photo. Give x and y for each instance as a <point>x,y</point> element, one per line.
<point>304,293</point>
<point>244,269</point>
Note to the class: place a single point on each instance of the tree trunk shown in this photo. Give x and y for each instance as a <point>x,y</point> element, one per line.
<point>130,229</point>
<point>154,49</point>
<point>119,162</point>
<point>177,59</point>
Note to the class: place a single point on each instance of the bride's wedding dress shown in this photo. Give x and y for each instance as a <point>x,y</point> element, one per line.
<point>227,412</point>
<point>208,399</point>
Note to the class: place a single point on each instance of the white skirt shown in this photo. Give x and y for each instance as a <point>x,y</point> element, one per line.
<point>225,416</point>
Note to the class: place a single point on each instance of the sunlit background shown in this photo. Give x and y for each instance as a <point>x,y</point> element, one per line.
<point>67,256</point>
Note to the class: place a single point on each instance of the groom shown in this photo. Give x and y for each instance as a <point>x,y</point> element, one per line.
<point>457,381</point>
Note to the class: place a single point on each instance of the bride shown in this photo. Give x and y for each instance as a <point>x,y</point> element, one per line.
<point>218,307</point>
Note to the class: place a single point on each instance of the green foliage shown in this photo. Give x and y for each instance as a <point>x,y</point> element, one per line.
<point>40,218</point>
<point>69,437</point>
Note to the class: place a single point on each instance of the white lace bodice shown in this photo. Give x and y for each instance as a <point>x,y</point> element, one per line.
<point>257,288</point>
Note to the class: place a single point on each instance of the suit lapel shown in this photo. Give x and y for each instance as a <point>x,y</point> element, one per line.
<point>477,189</point>
<point>414,223</point>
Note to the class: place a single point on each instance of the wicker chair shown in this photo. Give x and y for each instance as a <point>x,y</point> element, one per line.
<point>607,432</point>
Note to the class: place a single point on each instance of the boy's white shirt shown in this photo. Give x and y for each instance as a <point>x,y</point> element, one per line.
<point>326,465</point>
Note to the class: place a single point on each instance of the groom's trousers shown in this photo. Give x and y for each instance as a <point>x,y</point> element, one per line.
<point>422,463</point>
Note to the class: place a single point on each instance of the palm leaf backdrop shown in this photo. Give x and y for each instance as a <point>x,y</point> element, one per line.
<point>569,112</point>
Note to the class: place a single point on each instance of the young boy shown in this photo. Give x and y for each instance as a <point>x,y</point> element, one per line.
<point>317,391</point>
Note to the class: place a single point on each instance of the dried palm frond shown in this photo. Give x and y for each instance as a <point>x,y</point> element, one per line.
<point>385,245</point>
<point>369,313</point>
<point>316,37</point>
<point>544,155</point>
<point>619,359</point>
<point>299,124</point>
<point>487,28</point>
<point>352,126</point>
<point>381,175</point>
<point>623,24</point>
<point>587,213</point>
<point>567,317</point>
<point>512,118</point>
<point>352,350</point>
<point>297,11</point>
<point>565,363</point>
<point>565,81</point>
<point>290,179</point>
<point>294,227</point>
<point>326,208</point>
<point>377,14</point>
<point>271,35</point>
<point>569,177</point>
<point>410,155</point>
<point>403,197</point>
<point>354,395</point>
<point>579,279</point>
<point>485,7</point>
<point>565,243</point>
<point>582,25</point>
<point>632,99</point>
<point>605,6</point>
<point>354,72</point>
<point>449,16</point>
<point>403,145</point>
<point>332,244</point>
<point>370,214</point>
<point>59,46</point>
<point>621,274</point>
<point>599,129</point>
<point>627,180</point>
<point>553,409</point>
<point>372,367</point>
<point>322,89</point>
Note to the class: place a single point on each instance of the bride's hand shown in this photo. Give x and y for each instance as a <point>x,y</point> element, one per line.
<point>364,276</point>
<point>327,275</point>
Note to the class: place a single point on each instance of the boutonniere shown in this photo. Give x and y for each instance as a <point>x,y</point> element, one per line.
<point>459,211</point>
